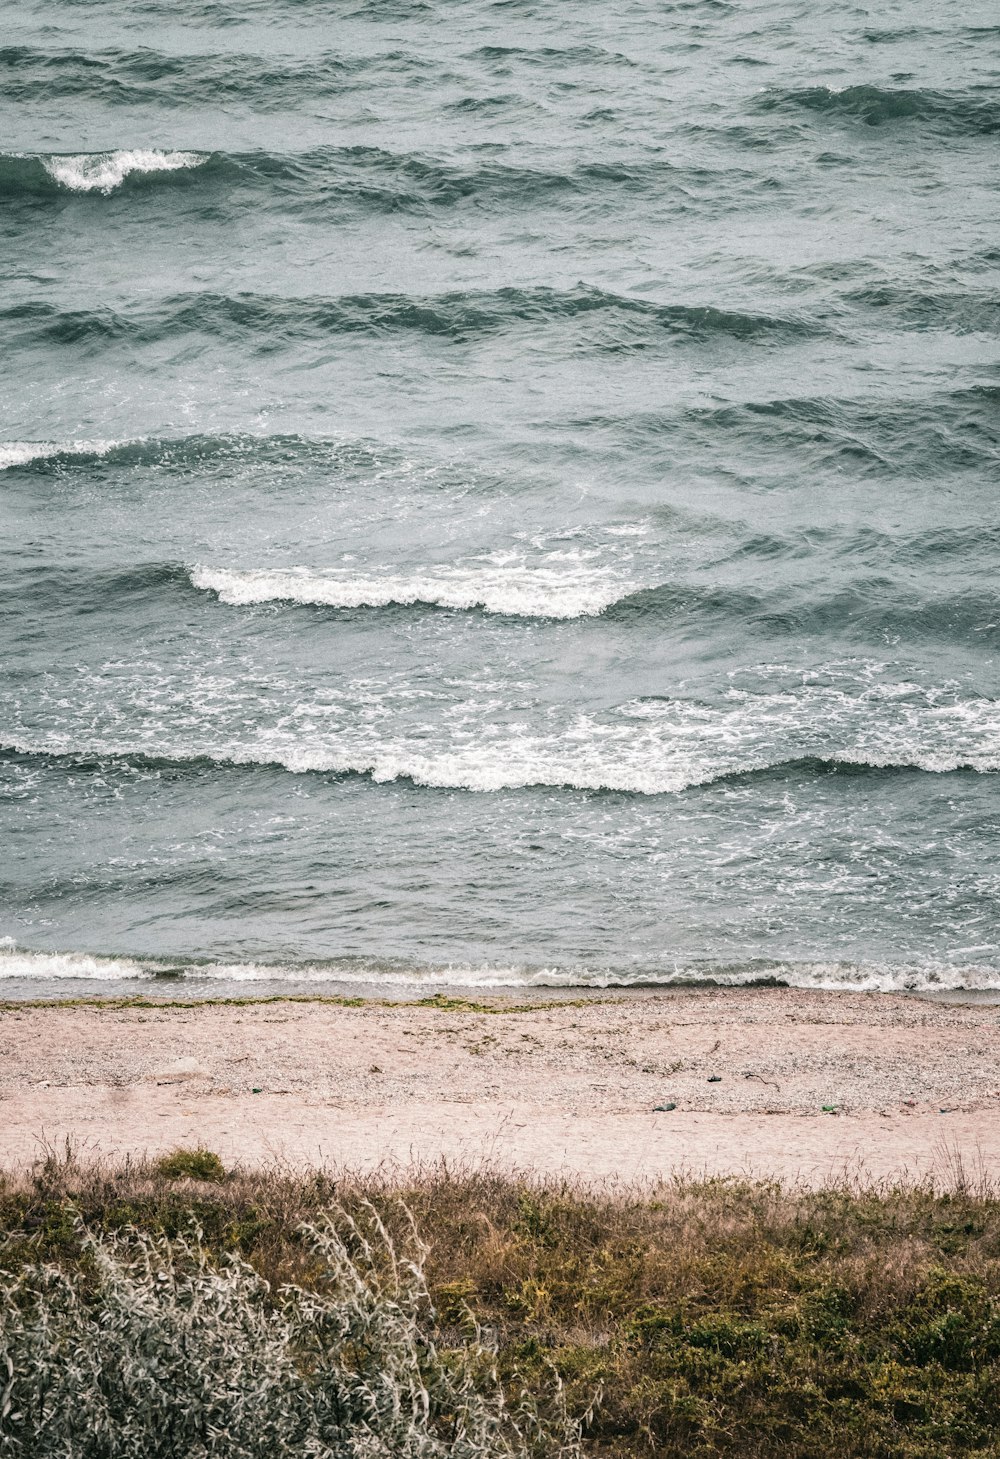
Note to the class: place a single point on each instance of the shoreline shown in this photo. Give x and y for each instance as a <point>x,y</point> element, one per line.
<point>801,1086</point>
<point>35,976</point>
<point>183,993</point>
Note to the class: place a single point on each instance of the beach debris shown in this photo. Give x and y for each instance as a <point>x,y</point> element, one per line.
<point>257,1089</point>
<point>831,1109</point>
<point>769,1082</point>
<point>715,1078</point>
<point>374,1069</point>
<point>179,1070</point>
<point>663,1108</point>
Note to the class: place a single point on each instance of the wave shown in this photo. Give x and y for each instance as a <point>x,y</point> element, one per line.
<point>188,452</point>
<point>118,77</point>
<point>571,586</point>
<point>56,587</point>
<point>962,113</point>
<point>514,762</point>
<point>606,321</point>
<point>105,171</point>
<point>53,174</point>
<point>863,610</point>
<point>969,311</point>
<point>335,179</point>
<point>848,716</point>
<point>933,433</point>
<point>18,963</point>
<point>84,172</point>
<point>568,588</point>
<point>200,976</point>
<point>937,432</point>
<point>14,454</point>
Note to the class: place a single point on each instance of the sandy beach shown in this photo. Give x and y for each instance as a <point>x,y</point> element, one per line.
<point>911,1087</point>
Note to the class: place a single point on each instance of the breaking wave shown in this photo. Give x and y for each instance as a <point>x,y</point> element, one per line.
<point>612,762</point>
<point>105,171</point>
<point>84,172</point>
<point>24,453</point>
<point>204,977</point>
<point>366,179</point>
<point>362,303</point>
<point>563,589</point>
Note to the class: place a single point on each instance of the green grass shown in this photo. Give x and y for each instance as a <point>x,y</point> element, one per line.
<point>709,1319</point>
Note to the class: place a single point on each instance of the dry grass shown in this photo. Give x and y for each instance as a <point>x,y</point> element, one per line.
<point>713,1318</point>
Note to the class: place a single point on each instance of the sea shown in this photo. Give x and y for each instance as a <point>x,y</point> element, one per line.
<point>499,495</point>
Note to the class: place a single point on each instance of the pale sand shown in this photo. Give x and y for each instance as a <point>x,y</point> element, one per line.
<point>560,1090</point>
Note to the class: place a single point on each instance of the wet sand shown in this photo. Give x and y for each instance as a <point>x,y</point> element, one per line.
<point>912,1088</point>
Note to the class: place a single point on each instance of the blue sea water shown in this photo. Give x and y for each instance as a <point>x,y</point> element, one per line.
<point>498,493</point>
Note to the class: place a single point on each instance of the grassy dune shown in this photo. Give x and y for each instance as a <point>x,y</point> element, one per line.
<point>496,1315</point>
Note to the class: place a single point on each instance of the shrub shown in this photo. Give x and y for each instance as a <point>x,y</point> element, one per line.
<point>713,1320</point>
<point>196,1164</point>
<point>149,1347</point>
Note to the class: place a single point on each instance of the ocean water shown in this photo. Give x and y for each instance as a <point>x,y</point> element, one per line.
<point>499,493</point>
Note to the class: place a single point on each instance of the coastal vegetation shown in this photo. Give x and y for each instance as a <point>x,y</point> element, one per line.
<point>177,1308</point>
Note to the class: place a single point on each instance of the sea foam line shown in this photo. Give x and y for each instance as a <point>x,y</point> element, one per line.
<point>39,967</point>
<point>567,590</point>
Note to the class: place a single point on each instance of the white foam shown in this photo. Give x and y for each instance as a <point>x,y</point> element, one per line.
<point>104,171</point>
<point>486,733</point>
<point>862,977</point>
<point>506,762</point>
<point>569,588</point>
<point>41,967</point>
<point>21,453</point>
<point>650,747</point>
<point>453,975</point>
<point>825,977</point>
<point>17,963</point>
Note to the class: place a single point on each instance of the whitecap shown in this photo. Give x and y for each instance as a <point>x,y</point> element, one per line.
<point>105,171</point>
<point>566,589</point>
<point>22,453</point>
<point>488,737</point>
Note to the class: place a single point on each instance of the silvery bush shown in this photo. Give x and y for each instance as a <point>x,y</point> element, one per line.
<point>152,1349</point>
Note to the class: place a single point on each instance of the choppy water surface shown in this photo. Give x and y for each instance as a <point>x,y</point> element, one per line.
<point>499,492</point>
